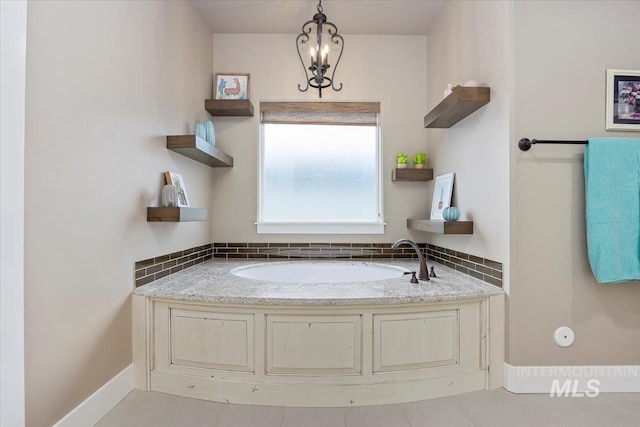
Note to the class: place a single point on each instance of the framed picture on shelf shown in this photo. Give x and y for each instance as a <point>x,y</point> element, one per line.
<point>176,180</point>
<point>442,192</point>
<point>232,86</point>
<point>623,100</point>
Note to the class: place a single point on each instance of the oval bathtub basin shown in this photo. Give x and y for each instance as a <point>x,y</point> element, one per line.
<point>319,272</point>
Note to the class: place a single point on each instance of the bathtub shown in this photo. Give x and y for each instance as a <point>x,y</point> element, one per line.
<point>316,334</point>
<point>319,272</point>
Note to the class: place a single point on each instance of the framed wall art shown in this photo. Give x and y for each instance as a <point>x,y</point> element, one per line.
<point>176,180</point>
<point>232,86</point>
<point>623,100</point>
<point>442,192</point>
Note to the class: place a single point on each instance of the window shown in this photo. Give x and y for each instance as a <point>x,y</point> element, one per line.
<point>320,168</point>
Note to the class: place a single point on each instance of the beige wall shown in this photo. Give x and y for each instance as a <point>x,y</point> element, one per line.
<point>463,46</point>
<point>547,82</point>
<point>13,52</point>
<point>106,81</point>
<point>389,69</point>
<point>561,56</point>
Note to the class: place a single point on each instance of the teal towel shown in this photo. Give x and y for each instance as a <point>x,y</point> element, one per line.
<point>612,196</point>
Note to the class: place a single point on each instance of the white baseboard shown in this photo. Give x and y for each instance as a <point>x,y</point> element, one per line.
<point>101,402</point>
<point>540,379</point>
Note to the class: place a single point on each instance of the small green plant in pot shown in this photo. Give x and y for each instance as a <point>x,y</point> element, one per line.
<point>419,159</point>
<point>402,160</point>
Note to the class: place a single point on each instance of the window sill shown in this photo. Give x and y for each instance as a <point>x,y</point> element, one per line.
<point>320,227</point>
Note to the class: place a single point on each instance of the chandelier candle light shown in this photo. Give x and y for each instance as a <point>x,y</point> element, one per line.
<point>319,65</point>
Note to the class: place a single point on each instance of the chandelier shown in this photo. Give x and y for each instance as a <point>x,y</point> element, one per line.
<point>319,52</point>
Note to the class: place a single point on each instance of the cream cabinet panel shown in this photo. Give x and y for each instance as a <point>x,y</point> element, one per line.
<point>203,339</point>
<point>415,340</point>
<point>314,345</point>
<point>315,356</point>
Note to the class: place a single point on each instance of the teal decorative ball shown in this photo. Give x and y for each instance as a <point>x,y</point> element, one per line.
<point>451,213</point>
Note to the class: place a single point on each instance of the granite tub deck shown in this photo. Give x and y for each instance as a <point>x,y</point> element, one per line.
<point>211,282</point>
<point>208,334</point>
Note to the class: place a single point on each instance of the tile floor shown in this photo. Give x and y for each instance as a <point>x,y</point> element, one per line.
<point>497,408</point>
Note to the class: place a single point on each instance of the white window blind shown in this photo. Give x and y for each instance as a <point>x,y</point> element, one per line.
<point>320,168</point>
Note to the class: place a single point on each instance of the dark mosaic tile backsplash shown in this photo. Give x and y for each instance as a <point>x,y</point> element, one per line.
<point>155,268</point>
<point>481,268</point>
<point>283,251</point>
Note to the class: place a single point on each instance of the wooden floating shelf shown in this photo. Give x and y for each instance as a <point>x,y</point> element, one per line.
<point>162,214</point>
<point>199,150</point>
<point>441,227</point>
<point>412,174</point>
<point>229,107</point>
<point>459,104</point>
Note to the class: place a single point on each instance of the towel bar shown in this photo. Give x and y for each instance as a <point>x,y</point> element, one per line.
<point>525,143</point>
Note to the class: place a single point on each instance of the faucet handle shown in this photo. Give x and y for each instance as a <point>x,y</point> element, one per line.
<point>414,279</point>
<point>432,273</point>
